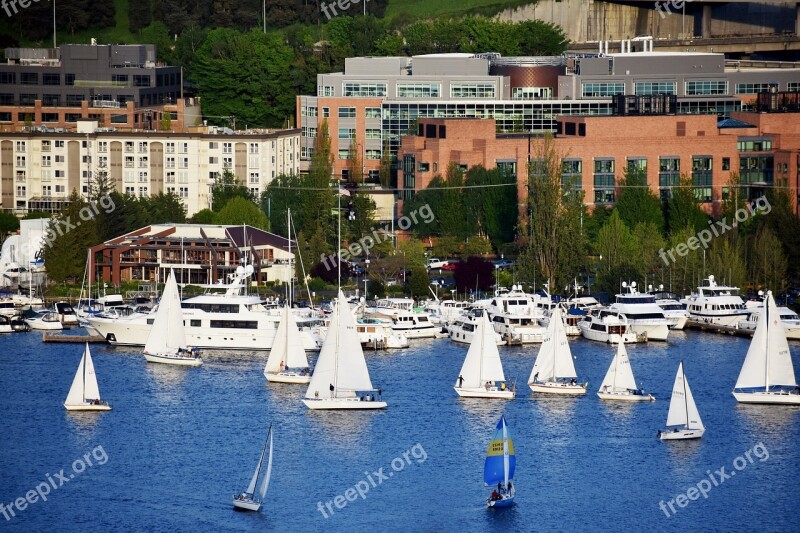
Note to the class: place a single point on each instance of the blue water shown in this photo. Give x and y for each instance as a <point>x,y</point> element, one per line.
<point>180,441</point>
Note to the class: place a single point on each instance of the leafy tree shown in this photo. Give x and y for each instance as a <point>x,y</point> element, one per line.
<point>683,208</point>
<point>386,173</point>
<point>204,216</point>
<point>476,245</point>
<point>9,223</point>
<point>362,216</point>
<point>418,283</point>
<point>769,264</point>
<point>67,238</point>
<point>30,215</point>
<point>474,273</point>
<point>165,207</point>
<point>684,267</point>
<point>319,198</point>
<point>355,164</point>
<point>240,211</point>
<point>785,225</point>
<point>139,15</point>
<point>649,241</point>
<point>227,187</point>
<point>494,206</point>
<point>166,121</point>
<point>637,203</point>
<point>283,193</point>
<point>725,259</point>
<point>618,249</point>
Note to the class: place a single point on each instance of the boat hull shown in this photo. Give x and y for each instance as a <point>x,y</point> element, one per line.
<point>343,403</point>
<point>172,360</point>
<point>88,407</point>
<point>481,392</point>
<point>44,326</point>
<point>681,434</point>
<point>246,505</point>
<point>654,332</point>
<point>626,397</point>
<point>611,338</point>
<point>564,389</point>
<point>505,501</point>
<point>767,398</point>
<point>290,377</point>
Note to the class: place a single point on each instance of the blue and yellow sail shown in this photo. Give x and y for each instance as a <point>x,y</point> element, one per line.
<point>494,469</point>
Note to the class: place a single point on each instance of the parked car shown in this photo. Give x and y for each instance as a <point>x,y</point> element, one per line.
<point>450,266</point>
<point>434,262</point>
<point>500,264</point>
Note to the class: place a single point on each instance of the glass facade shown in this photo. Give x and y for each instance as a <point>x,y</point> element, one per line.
<point>751,88</point>
<point>599,90</point>
<point>604,181</point>
<point>655,87</point>
<point>419,90</point>
<point>364,90</point>
<point>706,87</point>
<point>473,90</point>
<point>702,175</point>
<point>669,175</point>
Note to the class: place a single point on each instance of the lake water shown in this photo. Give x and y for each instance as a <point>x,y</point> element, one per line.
<point>180,441</point>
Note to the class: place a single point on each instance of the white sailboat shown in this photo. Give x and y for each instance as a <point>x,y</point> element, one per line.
<point>249,500</point>
<point>767,375</point>
<point>341,377</point>
<point>619,383</point>
<point>682,412</point>
<point>166,342</point>
<point>554,372</point>
<point>287,362</point>
<point>482,372</point>
<point>84,395</point>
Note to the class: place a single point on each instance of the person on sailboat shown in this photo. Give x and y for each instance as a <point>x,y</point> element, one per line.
<point>500,487</point>
<point>460,381</point>
<point>495,496</point>
<point>536,377</point>
<point>332,389</point>
<point>509,486</point>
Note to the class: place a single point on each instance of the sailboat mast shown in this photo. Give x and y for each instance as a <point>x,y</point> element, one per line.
<point>339,287</point>
<point>685,396</point>
<point>291,273</point>
<point>481,340</point>
<point>84,373</point>
<point>616,370</point>
<point>766,343</point>
<point>261,461</point>
<point>505,452</point>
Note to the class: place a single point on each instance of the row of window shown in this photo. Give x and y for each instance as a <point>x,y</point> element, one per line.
<point>54,78</point>
<point>411,90</point>
<point>692,88</point>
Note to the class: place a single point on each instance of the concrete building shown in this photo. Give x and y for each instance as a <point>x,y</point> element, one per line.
<point>763,148</point>
<point>199,254</point>
<point>118,85</point>
<point>375,101</point>
<point>39,170</point>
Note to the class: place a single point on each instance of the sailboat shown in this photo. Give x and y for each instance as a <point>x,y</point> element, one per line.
<point>248,500</point>
<point>341,377</point>
<point>619,383</point>
<point>482,372</point>
<point>767,375</point>
<point>287,361</point>
<point>682,412</point>
<point>84,395</point>
<point>166,342</point>
<point>554,372</point>
<point>499,466</point>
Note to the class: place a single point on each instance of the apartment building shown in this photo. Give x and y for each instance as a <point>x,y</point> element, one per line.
<point>39,170</point>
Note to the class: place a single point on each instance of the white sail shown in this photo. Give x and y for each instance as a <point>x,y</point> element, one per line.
<point>505,454</point>
<point>84,385</point>
<point>682,409</point>
<point>265,481</point>
<point>482,362</point>
<point>620,374</point>
<point>167,334</point>
<point>341,362</point>
<point>554,359</point>
<point>251,488</point>
<point>768,361</point>
<point>287,349</point>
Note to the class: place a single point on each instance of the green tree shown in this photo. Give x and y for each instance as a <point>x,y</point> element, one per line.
<point>69,234</point>
<point>204,216</point>
<point>769,262</point>
<point>683,208</point>
<point>9,223</point>
<point>319,199</point>
<point>362,216</point>
<point>491,197</point>
<point>649,242</point>
<point>637,203</point>
<point>166,121</point>
<point>355,164</point>
<point>165,207</point>
<point>725,259</point>
<point>227,187</point>
<point>619,251</point>
<point>419,283</point>
<point>240,211</point>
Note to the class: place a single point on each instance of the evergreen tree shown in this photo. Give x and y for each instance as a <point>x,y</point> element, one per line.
<point>227,187</point>
<point>637,203</point>
<point>71,232</point>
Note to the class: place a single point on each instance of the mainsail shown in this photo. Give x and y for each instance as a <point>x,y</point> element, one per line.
<point>288,345</point>
<point>482,362</point>
<point>500,459</point>
<point>620,375</point>
<point>167,335</point>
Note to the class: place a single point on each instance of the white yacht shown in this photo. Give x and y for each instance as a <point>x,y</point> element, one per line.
<point>584,303</point>
<point>231,320</point>
<point>789,319</point>
<point>644,316</point>
<point>463,328</point>
<point>604,325</point>
<point>515,316</point>
<point>377,334</point>
<point>66,314</point>
<point>406,320</point>
<point>716,304</point>
<point>571,317</point>
<point>46,320</point>
<point>446,311</point>
<point>673,309</point>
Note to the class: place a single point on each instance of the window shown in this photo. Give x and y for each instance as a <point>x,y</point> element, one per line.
<point>51,79</point>
<point>69,79</point>
<point>531,93</point>
<point>129,161</point>
<point>702,175</point>
<point>419,90</point>
<point>60,189</point>
<point>755,145</point>
<point>326,112</point>
<point>637,165</point>
<point>604,181</point>
<point>8,78</point>
<point>308,111</point>
<point>472,90</point>
<point>254,178</point>
<point>756,169</point>
<point>102,146</point>
<point>184,193</point>
<point>49,117</point>
<point>655,87</point>
<point>143,177</point>
<point>372,112</point>
<point>699,88</point>
<point>170,162</point>
<point>596,90</point>
<point>21,190</point>
<point>46,146</point>
<point>184,148</point>
<point>140,80</point>
<point>74,100</point>
<point>20,175</point>
<point>794,86</point>
<point>143,191</point>
<point>213,145</point>
<point>128,147</point>
<point>28,98</point>
<point>726,163</point>
<point>169,177</point>
<point>571,174</point>
<point>46,161</point>
<point>347,133</point>
<point>364,90</point>
<point>20,146</point>
<point>227,162</point>
<point>253,149</point>
<point>170,148</point>
<point>347,112</point>
<point>142,147</point>
<point>21,161</point>
<point>143,162</point>
<point>62,159</point>
<point>373,154</point>
<point>751,88</point>
<point>47,190</point>
<point>325,90</point>
<point>29,78</point>
<point>373,133</point>
<point>59,174</point>
<point>309,132</point>
<point>227,148</point>
<point>6,99</point>
<point>344,154</point>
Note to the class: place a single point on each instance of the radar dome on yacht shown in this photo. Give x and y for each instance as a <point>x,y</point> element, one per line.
<point>248,270</point>
<point>240,270</point>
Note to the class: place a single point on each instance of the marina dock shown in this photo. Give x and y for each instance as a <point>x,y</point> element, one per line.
<point>716,328</point>
<point>61,337</point>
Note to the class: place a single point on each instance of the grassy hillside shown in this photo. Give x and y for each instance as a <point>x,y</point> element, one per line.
<point>434,8</point>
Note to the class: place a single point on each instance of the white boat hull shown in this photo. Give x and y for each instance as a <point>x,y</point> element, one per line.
<point>554,387</point>
<point>88,407</point>
<point>677,322</point>
<point>731,320</point>
<point>611,338</point>
<point>246,505</point>
<point>343,403</point>
<point>767,398</point>
<point>681,434</point>
<point>44,326</point>
<point>654,332</point>
<point>626,397</point>
<point>173,360</point>
<point>288,377</point>
<point>428,332</point>
<point>482,392</point>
